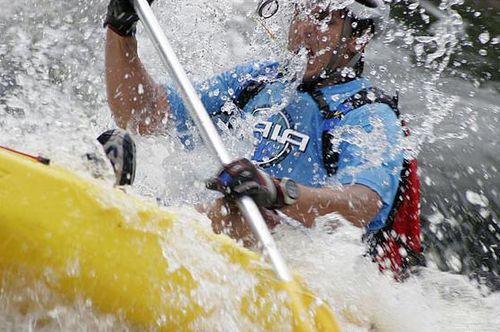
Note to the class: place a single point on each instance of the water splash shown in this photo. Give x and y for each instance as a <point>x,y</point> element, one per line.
<point>51,87</point>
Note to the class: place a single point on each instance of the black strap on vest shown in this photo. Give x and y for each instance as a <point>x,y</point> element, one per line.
<point>361,98</point>
<point>251,90</point>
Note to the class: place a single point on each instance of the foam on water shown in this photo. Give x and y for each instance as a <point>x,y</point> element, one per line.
<point>52,102</point>
<point>333,266</point>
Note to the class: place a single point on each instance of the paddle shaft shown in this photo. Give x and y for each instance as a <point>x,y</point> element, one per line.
<point>208,132</point>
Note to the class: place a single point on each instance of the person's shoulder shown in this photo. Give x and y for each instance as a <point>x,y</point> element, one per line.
<point>239,75</point>
<point>367,112</point>
<point>254,69</point>
<point>373,101</point>
<point>369,105</point>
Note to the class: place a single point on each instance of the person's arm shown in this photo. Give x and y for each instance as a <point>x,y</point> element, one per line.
<point>136,101</point>
<point>356,203</point>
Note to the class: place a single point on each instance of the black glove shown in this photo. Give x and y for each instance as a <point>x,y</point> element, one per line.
<point>242,178</point>
<point>121,17</point>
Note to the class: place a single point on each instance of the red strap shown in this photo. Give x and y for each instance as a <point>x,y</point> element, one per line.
<point>40,159</point>
<point>405,231</point>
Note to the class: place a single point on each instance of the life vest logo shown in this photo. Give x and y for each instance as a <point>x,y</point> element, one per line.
<point>275,137</point>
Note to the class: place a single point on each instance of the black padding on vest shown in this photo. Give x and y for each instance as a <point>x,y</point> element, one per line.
<point>330,157</point>
<point>251,90</point>
<point>320,100</point>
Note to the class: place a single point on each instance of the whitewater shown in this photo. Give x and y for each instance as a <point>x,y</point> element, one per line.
<point>53,103</point>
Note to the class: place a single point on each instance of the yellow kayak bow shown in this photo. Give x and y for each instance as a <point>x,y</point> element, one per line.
<point>84,238</point>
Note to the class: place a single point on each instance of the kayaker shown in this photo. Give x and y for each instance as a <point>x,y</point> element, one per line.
<point>333,145</point>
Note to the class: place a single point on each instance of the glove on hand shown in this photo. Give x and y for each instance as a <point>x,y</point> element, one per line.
<point>122,18</point>
<point>243,178</point>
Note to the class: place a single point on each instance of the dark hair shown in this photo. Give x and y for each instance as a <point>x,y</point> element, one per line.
<point>359,27</point>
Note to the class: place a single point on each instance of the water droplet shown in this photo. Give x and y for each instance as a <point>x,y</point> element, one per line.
<point>484,37</point>
<point>413,6</point>
<point>476,199</point>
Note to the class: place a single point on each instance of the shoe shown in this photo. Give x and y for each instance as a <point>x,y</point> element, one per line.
<point>120,150</point>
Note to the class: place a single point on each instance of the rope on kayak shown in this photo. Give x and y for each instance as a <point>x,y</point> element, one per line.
<point>40,159</point>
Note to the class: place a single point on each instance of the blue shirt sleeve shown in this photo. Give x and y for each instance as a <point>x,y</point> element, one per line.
<point>371,154</point>
<point>215,92</point>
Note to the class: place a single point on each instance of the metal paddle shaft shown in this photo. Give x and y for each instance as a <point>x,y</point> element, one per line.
<point>208,132</point>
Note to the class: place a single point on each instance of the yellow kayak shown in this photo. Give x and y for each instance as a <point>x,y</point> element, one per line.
<point>82,237</point>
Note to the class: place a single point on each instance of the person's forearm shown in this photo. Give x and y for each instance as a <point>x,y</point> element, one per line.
<point>136,101</point>
<point>357,203</point>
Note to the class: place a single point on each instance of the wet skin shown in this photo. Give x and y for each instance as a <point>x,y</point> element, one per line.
<point>318,32</point>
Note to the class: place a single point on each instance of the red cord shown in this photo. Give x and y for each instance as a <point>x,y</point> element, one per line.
<point>40,159</point>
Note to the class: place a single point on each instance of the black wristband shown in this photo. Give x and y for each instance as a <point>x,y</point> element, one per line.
<point>122,18</point>
<point>125,28</point>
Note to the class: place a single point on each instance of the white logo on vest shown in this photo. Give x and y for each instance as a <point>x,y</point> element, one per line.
<point>276,137</point>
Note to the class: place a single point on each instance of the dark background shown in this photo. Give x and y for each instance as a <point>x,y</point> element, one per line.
<point>461,234</point>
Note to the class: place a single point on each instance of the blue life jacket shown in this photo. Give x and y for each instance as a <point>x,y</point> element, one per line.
<point>294,140</point>
<point>293,126</point>
<point>290,144</point>
<point>294,136</point>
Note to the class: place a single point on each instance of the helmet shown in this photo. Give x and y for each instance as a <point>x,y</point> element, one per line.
<point>375,10</point>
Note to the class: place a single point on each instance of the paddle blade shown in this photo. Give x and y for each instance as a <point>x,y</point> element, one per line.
<point>309,312</point>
